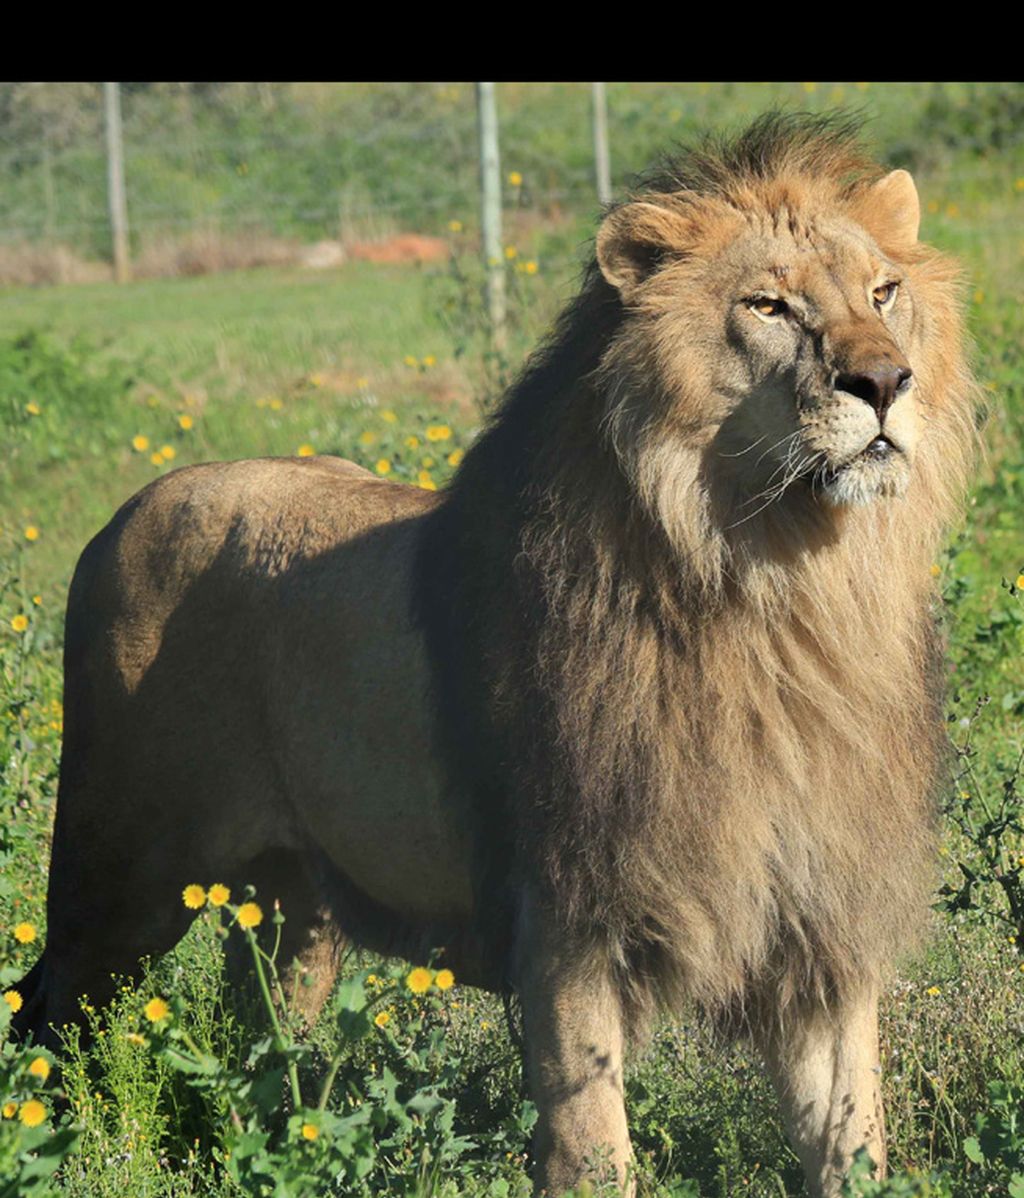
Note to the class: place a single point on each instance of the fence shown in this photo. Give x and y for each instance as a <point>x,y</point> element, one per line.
<point>249,171</point>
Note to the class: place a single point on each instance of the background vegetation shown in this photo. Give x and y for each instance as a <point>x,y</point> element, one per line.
<point>102,389</point>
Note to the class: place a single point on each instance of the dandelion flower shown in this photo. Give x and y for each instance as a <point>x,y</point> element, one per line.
<point>310,1131</point>
<point>140,443</point>
<point>32,1113</point>
<point>185,422</point>
<point>218,894</point>
<point>156,457</point>
<point>1019,582</point>
<point>305,451</point>
<point>412,442</point>
<point>249,915</point>
<point>425,481</point>
<point>40,1068</point>
<point>13,999</point>
<point>19,623</point>
<point>31,533</point>
<point>193,897</point>
<point>531,267</point>
<point>445,979</point>
<point>156,1010</point>
<point>438,432</point>
<point>388,416</point>
<point>168,453</point>
<point>936,569</point>
<point>318,379</point>
<point>515,178</point>
<point>134,1038</point>
<point>455,457</point>
<point>382,1018</point>
<point>933,991</point>
<point>419,980</point>
<point>367,437</point>
<point>10,1110</point>
<point>430,360</point>
<point>409,360</point>
<point>511,253</point>
<point>33,408</point>
<point>383,466</point>
<point>455,226</point>
<point>37,600</point>
<point>25,933</point>
<point>275,404</point>
<point>428,462</point>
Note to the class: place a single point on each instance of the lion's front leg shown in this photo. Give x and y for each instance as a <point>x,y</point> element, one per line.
<point>826,1071</point>
<point>572,1025</point>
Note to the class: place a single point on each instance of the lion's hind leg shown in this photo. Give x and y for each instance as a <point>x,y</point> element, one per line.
<point>311,944</point>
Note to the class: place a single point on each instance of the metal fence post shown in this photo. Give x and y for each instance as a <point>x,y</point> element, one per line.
<point>490,212</point>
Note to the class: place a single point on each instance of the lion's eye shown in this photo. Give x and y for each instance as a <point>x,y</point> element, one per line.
<point>884,295</point>
<point>768,306</point>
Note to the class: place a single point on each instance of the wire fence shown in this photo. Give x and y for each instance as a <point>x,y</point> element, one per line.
<point>252,171</point>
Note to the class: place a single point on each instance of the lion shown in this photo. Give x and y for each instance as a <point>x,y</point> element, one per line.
<point>643,709</point>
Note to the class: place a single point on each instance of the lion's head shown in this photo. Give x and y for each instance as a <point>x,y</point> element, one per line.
<point>782,318</point>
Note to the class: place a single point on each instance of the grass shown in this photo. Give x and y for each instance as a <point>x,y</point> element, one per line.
<point>355,362</point>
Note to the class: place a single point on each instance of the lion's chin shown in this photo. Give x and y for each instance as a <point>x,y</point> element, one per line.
<point>867,478</point>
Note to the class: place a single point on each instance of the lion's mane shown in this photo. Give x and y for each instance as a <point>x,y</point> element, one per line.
<point>712,745</point>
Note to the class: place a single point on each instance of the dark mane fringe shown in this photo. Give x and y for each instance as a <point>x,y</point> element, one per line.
<point>713,756</point>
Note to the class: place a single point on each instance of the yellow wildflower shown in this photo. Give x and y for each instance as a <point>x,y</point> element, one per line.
<point>37,600</point>
<point>952,209</point>
<point>485,1025</point>
<point>218,894</point>
<point>317,379</point>
<point>10,1110</point>
<point>33,408</point>
<point>425,481</point>
<point>412,442</point>
<point>32,1113</point>
<point>933,990</point>
<point>168,453</point>
<point>372,980</point>
<point>409,360</point>
<point>810,87</point>
<point>140,443</point>
<point>511,253</point>
<point>134,1038</point>
<point>419,980</point>
<point>455,226</point>
<point>979,296</point>
<point>185,422</point>
<point>445,979</point>
<point>936,569</point>
<point>455,457</point>
<point>427,462</point>
<point>383,466</point>
<point>438,432</point>
<point>275,404</point>
<point>1019,582</point>
<point>530,267</point>
<point>388,416</point>
<point>156,458</point>
<point>310,1131</point>
<point>305,451</point>
<point>515,178</point>
<point>19,623</point>
<point>156,1010</point>
<point>430,360</point>
<point>367,437</point>
<point>31,533</point>
<point>40,1068</point>
<point>25,933</point>
<point>362,381</point>
<point>382,1018</point>
<point>193,897</point>
<point>13,999</point>
<point>249,915</point>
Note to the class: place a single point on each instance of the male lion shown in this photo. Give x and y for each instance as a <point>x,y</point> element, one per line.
<point>643,708</point>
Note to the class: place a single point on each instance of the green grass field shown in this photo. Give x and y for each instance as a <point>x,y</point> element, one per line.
<point>103,388</point>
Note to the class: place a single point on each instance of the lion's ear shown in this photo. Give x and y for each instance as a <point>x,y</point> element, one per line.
<point>635,239</point>
<point>891,207</point>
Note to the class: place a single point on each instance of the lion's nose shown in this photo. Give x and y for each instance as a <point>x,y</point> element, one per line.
<point>877,384</point>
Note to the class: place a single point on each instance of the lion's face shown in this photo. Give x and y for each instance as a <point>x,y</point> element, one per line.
<point>789,331</point>
<point>823,394</point>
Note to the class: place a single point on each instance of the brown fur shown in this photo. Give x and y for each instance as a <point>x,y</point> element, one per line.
<point>668,680</point>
